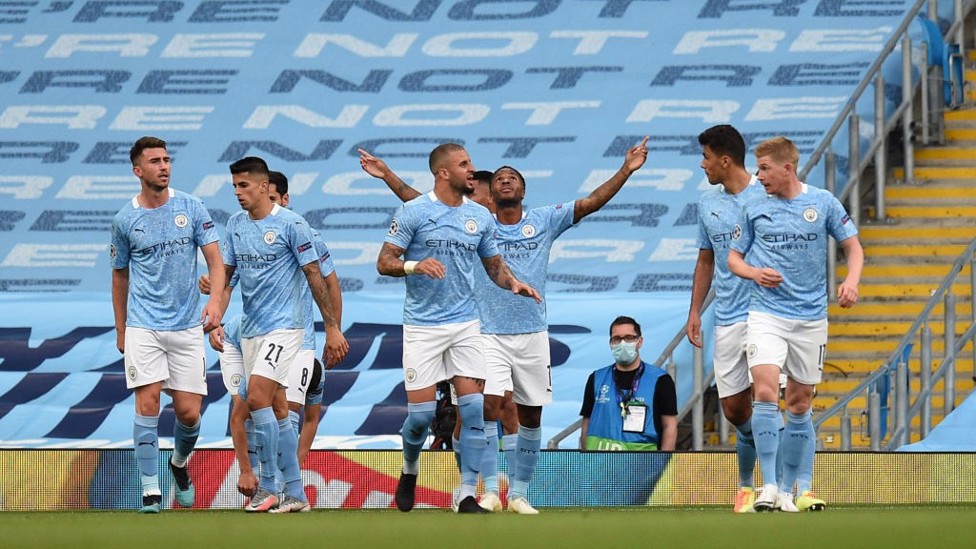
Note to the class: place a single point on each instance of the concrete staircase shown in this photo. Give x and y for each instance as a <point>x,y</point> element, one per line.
<point>930,223</point>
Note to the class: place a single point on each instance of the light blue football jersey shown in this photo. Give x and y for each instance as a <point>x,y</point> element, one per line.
<point>159,246</point>
<point>232,331</point>
<point>269,255</point>
<point>718,213</point>
<point>459,237</point>
<point>525,248</point>
<point>791,237</point>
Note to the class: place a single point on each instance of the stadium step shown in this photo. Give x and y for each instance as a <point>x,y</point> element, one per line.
<point>928,225</point>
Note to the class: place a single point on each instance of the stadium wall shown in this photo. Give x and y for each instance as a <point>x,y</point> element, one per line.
<point>62,480</point>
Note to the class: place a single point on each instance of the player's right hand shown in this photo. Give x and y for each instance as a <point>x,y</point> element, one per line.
<point>430,267</point>
<point>247,484</point>
<point>693,330</point>
<point>769,277</point>
<point>120,340</point>
<point>204,284</point>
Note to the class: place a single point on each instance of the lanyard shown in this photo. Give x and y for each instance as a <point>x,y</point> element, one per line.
<point>624,396</point>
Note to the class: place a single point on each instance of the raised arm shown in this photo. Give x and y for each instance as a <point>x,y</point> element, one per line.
<point>377,168</point>
<point>701,283</point>
<point>502,276</point>
<point>601,195</point>
<point>336,345</point>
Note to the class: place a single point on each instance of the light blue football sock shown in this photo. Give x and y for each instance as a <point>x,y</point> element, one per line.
<point>804,475</point>
<point>766,434</point>
<point>794,447</point>
<point>146,440</point>
<point>473,443</point>
<point>414,433</point>
<point>266,444</point>
<point>252,452</point>
<point>489,465</point>
<point>745,451</point>
<point>779,452</point>
<point>291,472</point>
<point>529,442</point>
<point>509,443</point>
<point>456,446</point>
<point>184,439</point>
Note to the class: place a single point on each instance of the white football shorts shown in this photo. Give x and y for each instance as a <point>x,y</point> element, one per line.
<point>232,367</point>
<point>436,353</point>
<point>299,376</point>
<point>271,354</point>
<point>175,358</point>
<point>796,346</point>
<point>519,363</point>
<point>729,360</point>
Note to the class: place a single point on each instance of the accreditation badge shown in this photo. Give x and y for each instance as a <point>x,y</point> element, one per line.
<point>635,418</point>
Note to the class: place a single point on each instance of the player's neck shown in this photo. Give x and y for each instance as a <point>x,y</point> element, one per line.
<point>153,196</point>
<point>447,194</point>
<point>737,181</point>
<point>261,210</point>
<point>792,190</point>
<point>508,212</point>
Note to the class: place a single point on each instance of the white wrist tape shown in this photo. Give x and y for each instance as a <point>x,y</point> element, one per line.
<point>409,266</point>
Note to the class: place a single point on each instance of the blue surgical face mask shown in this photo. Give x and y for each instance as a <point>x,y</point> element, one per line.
<point>624,353</point>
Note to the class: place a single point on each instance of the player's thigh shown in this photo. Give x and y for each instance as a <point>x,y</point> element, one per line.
<point>187,361</point>
<point>808,345</point>
<point>232,368</point>
<point>423,355</point>
<point>767,340</point>
<point>299,376</point>
<point>271,354</point>
<point>729,359</point>
<point>466,355</point>
<point>145,358</point>
<point>531,371</point>
<point>498,365</point>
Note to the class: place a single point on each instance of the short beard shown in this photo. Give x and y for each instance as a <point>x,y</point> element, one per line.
<point>506,203</point>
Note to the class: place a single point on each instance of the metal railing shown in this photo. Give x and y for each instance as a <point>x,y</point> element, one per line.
<point>925,98</point>
<point>897,365</point>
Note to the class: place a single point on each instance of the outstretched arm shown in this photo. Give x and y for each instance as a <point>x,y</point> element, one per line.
<point>377,168</point>
<point>501,275</point>
<point>601,195</point>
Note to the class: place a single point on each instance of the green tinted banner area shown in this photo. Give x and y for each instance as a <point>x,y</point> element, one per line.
<point>57,480</point>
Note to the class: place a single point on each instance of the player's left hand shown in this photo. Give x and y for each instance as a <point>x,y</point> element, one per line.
<point>217,339</point>
<point>372,165</point>
<point>336,348</point>
<point>636,156</point>
<point>525,290</point>
<point>847,295</point>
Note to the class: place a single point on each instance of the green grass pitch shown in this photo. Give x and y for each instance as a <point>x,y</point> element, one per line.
<point>665,528</point>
